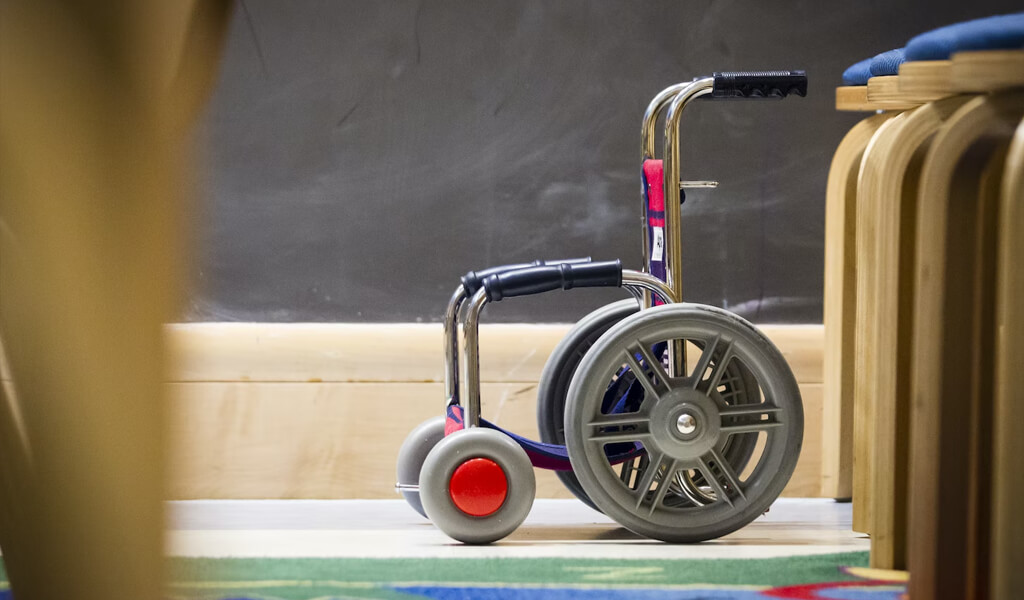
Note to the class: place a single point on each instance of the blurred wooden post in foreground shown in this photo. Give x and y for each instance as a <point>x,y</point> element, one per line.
<point>95,103</point>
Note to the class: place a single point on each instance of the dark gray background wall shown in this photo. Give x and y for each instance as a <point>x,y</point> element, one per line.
<point>357,157</point>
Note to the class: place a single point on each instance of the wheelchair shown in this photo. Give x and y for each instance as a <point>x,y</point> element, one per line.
<point>680,421</point>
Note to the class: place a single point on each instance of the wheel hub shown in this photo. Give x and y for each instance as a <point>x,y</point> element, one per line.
<point>685,424</point>
<point>478,487</point>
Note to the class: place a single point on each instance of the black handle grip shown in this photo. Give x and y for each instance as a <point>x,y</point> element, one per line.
<point>759,84</point>
<point>472,280</point>
<point>535,280</point>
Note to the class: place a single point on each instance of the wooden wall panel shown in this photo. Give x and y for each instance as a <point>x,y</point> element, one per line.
<point>341,440</point>
<point>251,421</point>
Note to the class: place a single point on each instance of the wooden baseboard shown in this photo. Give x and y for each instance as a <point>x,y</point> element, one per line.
<point>320,410</point>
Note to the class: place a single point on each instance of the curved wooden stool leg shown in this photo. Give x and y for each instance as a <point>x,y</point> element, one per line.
<point>864,337</point>
<point>952,368</point>
<point>1008,445</point>
<point>890,175</point>
<point>840,295</point>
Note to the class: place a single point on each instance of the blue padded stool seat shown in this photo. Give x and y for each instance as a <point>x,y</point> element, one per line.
<point>888,63</point>
<point>1002,32</point>
<point>858,73</point>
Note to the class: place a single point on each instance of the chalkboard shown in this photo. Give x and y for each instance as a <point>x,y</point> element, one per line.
<point>357,157</point>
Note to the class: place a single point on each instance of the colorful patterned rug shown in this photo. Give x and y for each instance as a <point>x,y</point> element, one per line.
<point>829,576</point>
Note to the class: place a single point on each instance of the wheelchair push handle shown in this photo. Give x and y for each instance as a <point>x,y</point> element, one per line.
<point>759,84</point>
<point>472,280</point>
<point>536,280</point>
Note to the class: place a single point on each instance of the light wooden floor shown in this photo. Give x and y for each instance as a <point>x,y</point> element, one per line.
<point>563,528</point>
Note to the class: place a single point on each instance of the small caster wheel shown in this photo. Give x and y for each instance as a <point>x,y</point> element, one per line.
<point>477,485</point>
<point>415,448</point>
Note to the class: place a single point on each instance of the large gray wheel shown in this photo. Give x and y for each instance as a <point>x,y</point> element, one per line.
<point>684,423</point>
<point>414,451</point>
<point>557,374</point>
<point>738,387</point>
<point>477,485</point>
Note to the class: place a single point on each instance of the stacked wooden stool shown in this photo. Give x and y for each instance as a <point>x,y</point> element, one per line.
<point>924,315</point>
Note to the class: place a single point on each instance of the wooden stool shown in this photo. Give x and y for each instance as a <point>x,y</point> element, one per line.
<point>925,149</point>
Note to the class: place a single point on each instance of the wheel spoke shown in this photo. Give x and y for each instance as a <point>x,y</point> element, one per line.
<point>650,470</point>
<point>628,427</point>
<point>654,379</point>
<point>627,470</point>
<point>705,359</point>
<point>658,465</point>
<point>719,367</point>
<point>663,485</point>
<point>714,476</point>
<point>709,477</point>
<point>745,418</point>
<point>727,473</point>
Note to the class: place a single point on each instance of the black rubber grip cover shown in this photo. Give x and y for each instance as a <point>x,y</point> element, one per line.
<point>759,84</point>
<point>536,280</point>
<point>472,280</point>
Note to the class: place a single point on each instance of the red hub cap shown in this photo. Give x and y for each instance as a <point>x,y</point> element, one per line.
<point>478,487</point>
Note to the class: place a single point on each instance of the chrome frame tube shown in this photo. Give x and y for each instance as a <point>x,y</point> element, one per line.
<point>649,284</point>
<point>673,216</point>
<point>471,358</point>
<point>647,134</point>
<point>647,142</point>
<point>676,97</point>
<point>451,345</point>
<point>470,319</point>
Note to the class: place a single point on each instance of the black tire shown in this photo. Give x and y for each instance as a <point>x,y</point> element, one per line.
<point>557,375</point>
